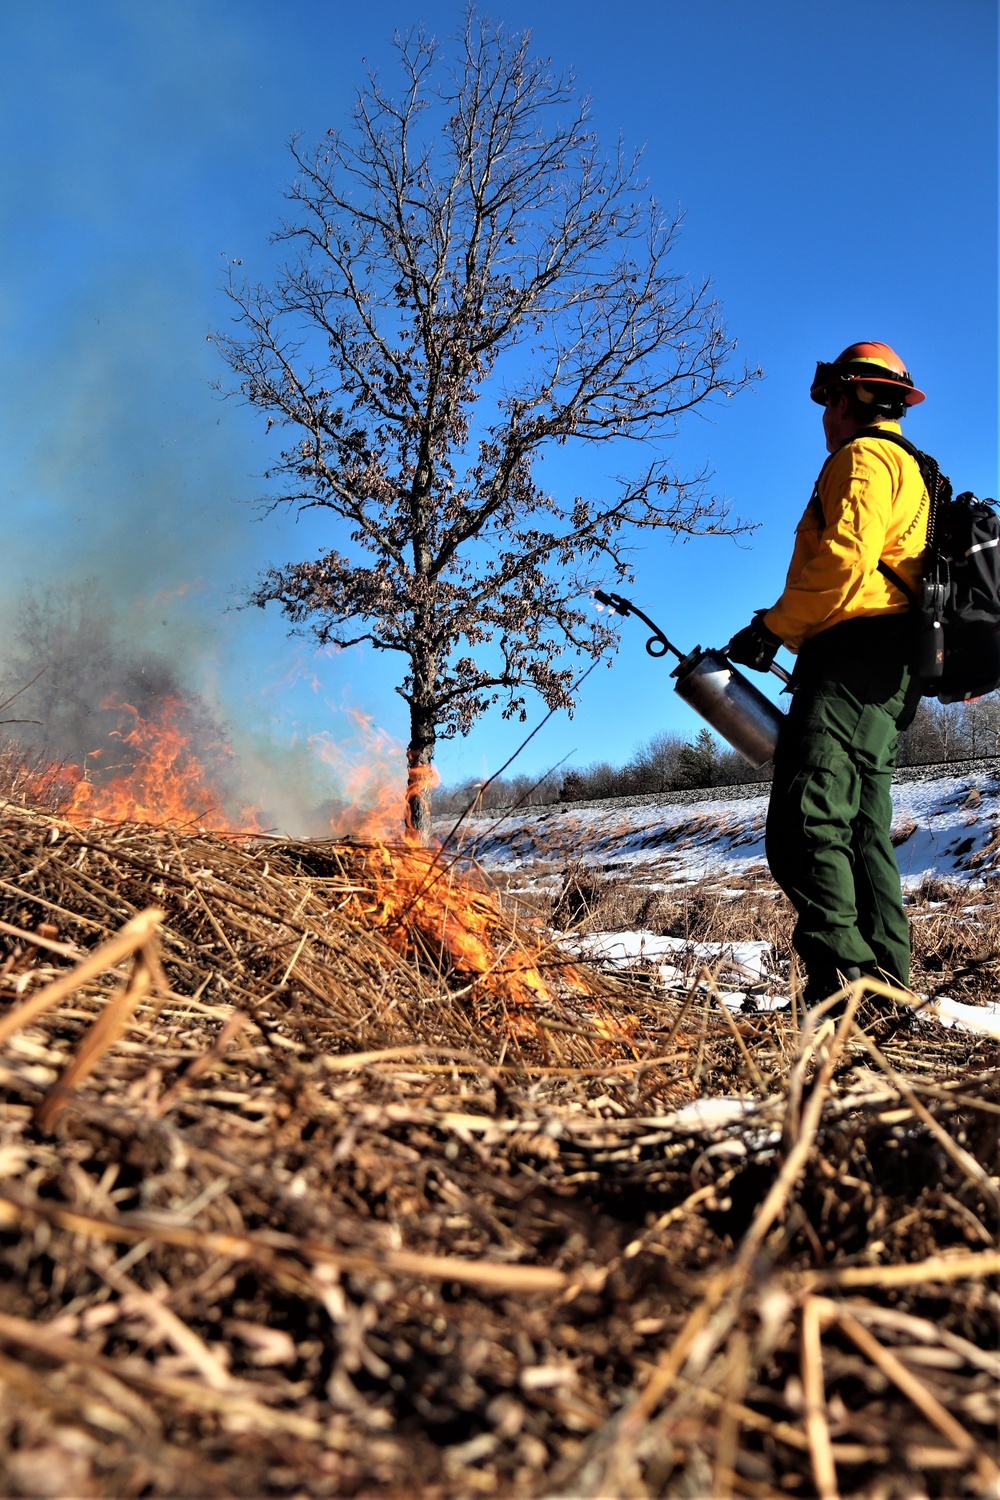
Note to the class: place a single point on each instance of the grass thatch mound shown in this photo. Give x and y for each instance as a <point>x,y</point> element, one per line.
<point>323,1175</point>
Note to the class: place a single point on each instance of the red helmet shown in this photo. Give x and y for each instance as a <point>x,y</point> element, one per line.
<point>864,365</point>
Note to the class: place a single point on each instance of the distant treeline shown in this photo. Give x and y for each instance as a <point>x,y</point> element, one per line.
<point>670,763</point>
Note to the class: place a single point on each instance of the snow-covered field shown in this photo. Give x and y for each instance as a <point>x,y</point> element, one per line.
<point>944,826</point>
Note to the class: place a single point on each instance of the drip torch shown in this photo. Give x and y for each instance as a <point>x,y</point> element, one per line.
<point>716,690</point>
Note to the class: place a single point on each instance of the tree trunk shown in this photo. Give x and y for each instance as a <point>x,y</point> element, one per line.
<point>421,776</point>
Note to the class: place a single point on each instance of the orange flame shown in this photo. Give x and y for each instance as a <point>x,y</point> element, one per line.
<point>166,784</point>
<point>440,916</point>
<point>372,779</point>
<point>425,908</point>
<point>421,903</point>
<point>428,909</point>
<point>420,784</point>
<point>163,595</point>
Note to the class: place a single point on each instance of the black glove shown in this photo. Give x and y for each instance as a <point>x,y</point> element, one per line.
<point>754,646</point>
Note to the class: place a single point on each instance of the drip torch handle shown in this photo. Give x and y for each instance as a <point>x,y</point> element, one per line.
<point>657,645</point>
<point>786,677</point>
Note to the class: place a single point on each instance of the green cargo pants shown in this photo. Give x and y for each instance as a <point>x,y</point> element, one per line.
<point>830,812</point>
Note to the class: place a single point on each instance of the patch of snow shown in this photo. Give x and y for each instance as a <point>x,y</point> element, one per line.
<point>712,1113</point>
<point>623,949</point>
<point>723,838</point>
<point>982,1018</point>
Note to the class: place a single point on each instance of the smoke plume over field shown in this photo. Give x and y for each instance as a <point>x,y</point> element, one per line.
<point>127,540</point>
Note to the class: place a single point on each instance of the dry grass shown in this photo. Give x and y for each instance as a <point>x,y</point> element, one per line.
<point>955,928</point>
<point>955,933</point>
<point>707,911</point>
<point>297,1201</point>
<point>28,774</point>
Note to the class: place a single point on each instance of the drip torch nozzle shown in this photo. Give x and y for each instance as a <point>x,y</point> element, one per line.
<point>657,645</point>
<point>613,601</point>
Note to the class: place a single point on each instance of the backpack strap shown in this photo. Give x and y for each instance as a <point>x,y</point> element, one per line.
<point>901,584</point>
<point>934,480</point>
<point>935,484</point>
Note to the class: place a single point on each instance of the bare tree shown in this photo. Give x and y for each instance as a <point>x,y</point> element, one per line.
<point>980,726</point>
<point>471,281</point>
<point>514,791</point>
<point>653,767</point>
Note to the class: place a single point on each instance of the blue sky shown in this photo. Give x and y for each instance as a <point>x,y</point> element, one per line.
<point>837,167</point>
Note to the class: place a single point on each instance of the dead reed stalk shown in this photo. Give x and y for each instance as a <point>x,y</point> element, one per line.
<point>311,1203</point>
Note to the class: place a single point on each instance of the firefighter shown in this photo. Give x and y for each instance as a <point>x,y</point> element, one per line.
<point>830,810</point>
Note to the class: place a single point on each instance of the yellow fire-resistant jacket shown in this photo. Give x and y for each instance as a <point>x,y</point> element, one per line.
<point>872,504</point>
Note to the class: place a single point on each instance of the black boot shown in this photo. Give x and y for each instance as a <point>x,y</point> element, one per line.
<point>876,1013</point>
<point>881,1017</point>
<point>825,981</point>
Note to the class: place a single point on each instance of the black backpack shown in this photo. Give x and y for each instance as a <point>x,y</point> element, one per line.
<point>958,652</point>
